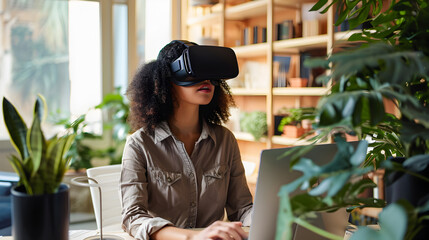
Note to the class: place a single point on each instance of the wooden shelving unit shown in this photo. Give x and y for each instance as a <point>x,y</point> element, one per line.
<point>225,21</point>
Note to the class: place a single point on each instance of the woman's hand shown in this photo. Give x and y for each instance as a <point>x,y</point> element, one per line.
<point>220,230</point>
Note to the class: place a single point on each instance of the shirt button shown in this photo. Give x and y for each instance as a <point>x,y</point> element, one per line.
<point>193,204</point>
<point>191,175</point>
<point>168,179</point>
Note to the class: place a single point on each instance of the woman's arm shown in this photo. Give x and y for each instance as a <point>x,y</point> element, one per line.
<point>218,230</point>
<point>239,203</point>
<point>136,219</point>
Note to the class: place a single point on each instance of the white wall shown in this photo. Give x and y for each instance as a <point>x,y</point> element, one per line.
<point>158,27</point>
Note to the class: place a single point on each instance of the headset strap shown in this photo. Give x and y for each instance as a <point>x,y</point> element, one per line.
<point>186,43</point>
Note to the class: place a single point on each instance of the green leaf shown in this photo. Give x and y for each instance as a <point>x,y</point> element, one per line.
<point>376,108</point>
<point>359,155</point>
<point>40,108</point>
<point>361,18</point>
<point>393,221</point>
<point>417,163</point>
<point>65,161</point>
<point>332,184</point>
<point>35,143</point>
<point>319,5</point>
<point>19,169</point>
<point>284,217</point>
<point>16,127</point>
<point>393,225</point>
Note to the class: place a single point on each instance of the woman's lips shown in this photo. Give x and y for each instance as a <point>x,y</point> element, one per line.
<point>205,88</point>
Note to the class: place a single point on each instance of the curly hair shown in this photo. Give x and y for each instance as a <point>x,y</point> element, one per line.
<point>150,94</point>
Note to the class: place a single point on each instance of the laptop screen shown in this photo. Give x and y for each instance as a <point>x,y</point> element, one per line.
<point>274,172</point>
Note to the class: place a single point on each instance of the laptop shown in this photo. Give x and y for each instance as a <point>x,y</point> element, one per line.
<point>274,173</point>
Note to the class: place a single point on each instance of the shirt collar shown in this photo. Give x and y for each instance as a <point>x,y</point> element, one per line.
<point>162,131</point>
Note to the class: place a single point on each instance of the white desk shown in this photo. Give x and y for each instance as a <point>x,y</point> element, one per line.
<point>81,234</point>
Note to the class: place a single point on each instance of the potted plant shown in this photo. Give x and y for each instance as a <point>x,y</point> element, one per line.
<point>254,123</point>
<point>80,152</point>
<point>40,200</point>
<point>391,66</point>
<point>83,150</point>
<point>295,122</point>
<point>119,108</point>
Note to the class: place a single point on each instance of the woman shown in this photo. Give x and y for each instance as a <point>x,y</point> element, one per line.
<point>181,169</point>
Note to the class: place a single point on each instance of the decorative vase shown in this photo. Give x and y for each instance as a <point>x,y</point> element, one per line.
<point>40,217</point>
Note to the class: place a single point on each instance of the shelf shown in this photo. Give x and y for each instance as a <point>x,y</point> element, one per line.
<point>295,45</point>
<point>213,18</point>
<point>292,3</point>
<point>291,46</point>
<point>249,92</point>
<point>289,141</point>
<point>244,136</point>
<point>341,37</point>
<point>284,91</point>
<point>252,50</point>
<point>305,91</point>
<point>246,10</point>
<point>258,8</point>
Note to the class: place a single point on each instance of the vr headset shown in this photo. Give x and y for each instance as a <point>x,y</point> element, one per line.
<point>199,63</point>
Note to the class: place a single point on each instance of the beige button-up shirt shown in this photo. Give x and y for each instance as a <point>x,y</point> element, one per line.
<point>162,185</point>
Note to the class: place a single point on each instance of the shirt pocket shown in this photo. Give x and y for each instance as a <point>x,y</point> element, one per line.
<point>165,178</point>
<point>215,175</point>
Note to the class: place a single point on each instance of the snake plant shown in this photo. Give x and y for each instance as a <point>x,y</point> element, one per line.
<point>40,163</point>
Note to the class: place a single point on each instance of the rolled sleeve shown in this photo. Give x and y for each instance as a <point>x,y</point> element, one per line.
<point>142,228</point>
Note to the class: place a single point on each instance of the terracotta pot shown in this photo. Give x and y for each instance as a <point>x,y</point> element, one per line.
<point>291,131</point>
<point>298,82</point>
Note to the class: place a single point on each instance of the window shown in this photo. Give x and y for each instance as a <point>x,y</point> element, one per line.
<point>34,55</point>
<point>73,52</point>
<point>54,48</point>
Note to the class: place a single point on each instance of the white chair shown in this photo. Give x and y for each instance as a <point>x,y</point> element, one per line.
<point>104,181</point>
<point>108,179</point>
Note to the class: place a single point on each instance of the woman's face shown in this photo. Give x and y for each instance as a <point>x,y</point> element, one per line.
<point>198,94</point>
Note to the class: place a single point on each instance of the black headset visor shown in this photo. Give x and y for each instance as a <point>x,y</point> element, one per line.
<point>199,63</point>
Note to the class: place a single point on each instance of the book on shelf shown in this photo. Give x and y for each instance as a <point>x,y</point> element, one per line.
<point>311,73</point>
<point>247,35</point>
<point>264,34</point>
<point>255,34</point>
<point>285,30</point>
<point>281,66</point>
